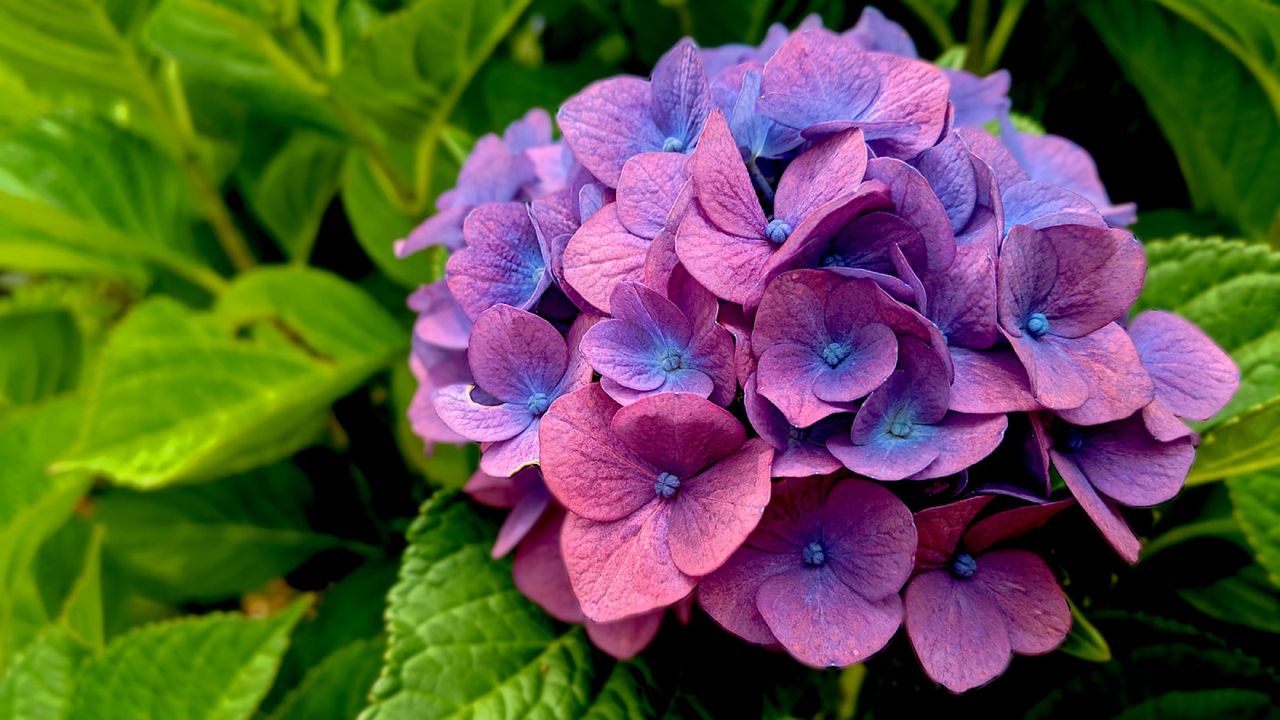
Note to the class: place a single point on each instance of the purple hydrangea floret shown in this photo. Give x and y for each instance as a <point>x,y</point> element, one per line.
<point>809,335</point>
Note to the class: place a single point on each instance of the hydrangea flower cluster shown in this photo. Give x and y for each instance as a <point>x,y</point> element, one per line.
<point>787,332</point>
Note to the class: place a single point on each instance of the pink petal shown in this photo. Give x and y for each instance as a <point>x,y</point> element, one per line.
<point>1056,381</point>
<point>1028,594</point>
<point>1124,463</point>
<point>963,440</point>
<point>940,529</point>
<point>507,457</point>
<point>677,433</point>
<point>539,571</point>
<point>608,123</point>
<point>623,568</point>
<point>1011,524</point>
<point>514,354</point>
<point>822,622</point>
<point>585,465</point>
<point>1118,383</point>
<point>1193,376</point>
<point>520,521</point>
<point>958,631</point>
<point>648,189</point>
<point>625,638</point>
<point>786,375</point>
<point>727,264</point>
<point>602,254</point>
<point>1104,513</point>
<point>729,594</point>
<point>990,382</point>
<point>870,537</point>
<point>819,175</point>
<point>721,182</point>
<point>714,512</point>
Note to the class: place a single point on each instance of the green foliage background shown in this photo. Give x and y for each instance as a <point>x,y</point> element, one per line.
<point>207,483</point>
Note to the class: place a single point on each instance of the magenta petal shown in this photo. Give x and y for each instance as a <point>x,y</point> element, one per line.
<point>962,298</point>
<point>962,441</point>
<point>1118,384</point>
<point>940,529</point>
<point>1193,376</point>
<point>727,264</point>
<point>828,170</point>
<point>1011,524</point>
<point>723,187</point>
<point>714,512</point>
<point>958,631</point>
<point>476,422</point>
<point>649,188</point>
<point>793,309</point>
<point>514,354</point>
<point>520,520</point>
<point>584,464</point>
<point>623,568</point>
<point>1042,205</point>
<point>624,353</point>
<point>949,169</point>
<point>822,622</point>
<point>869,536</point>
<point>624,639</point>
<point>444,228</point>
<point>1102,511</point>
<point>539,571</point>
<point>1123,462</point>
<point>441,321</point>
<point>1079,277</point>
<point>873,351</point>
<point>915,202</point>
<point>507,457</point>
<point>1162,423</point>
<point>817,76</point>
<point>681,95</point>
<point>990,382</point>
<point>677,433</point>
<point>909,111</point>
<point>608,123</point>
<point>1030,598</point>
<point>1056,381</point>
<point>729,594</point>
<point>601,254</point>
<point>786,375</point>
<point>642,306</point>
<point>502,262</point>
<point>692,382</point>
<point>890,459</point>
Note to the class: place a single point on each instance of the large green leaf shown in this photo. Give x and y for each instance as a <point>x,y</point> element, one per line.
<point>1257,501</point>
<point>465,643</point>
<point>191,396</point>
<point>79,191</point>
<point>41,355</point>
<point>1250,29</point>
<point>33,504</point>
<point>249,46</point>
<point>290,193</point>
<point>1232,291</point>
<point>1218,119</point>
<point>1197,704</point>
<point>68,46</point>
<point>214,667</point>
<point>213,540</point>
<point>337,687</point>
<point>37,686</point>
<point>1245,598</point>
<point>378,223</point>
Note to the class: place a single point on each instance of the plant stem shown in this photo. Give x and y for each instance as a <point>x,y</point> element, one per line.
<point>976,55</point>
<point>933,22</point>
<point>1008,20</point>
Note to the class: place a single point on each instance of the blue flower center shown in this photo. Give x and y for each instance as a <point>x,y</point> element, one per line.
<point>835,353</point>
<point>538,403</point>
<point>901,427</point>
<point>798,434</point>
<point>777,231</point>
<point>671,360</point>
<point>813,554</point>
<point>673,144</point>
<point>666,485</point>
<point>963,565</point>
<point>1037,325</point>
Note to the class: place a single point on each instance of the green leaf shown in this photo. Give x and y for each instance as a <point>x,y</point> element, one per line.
<point>213,667</point>
<point>463,640</point>
<point>33,504</point>
<point>191,396</point>
<point>82,191</point>
<point>214,540</point>
<point>68,45</point>
<point>1243,599</point>
<point>290,194</point>
<point>337,687</point>
<point>1085,642</point>
<point>1257,501</point>
<point>413,66</point>
<point>1222,127</point>
<point>247,46</point>
<point>1196,704</point>
<point>41,355</point>
<point>38,684</point>
<point>378,224</point>
<point>1231,290</point>
<point>1250,29</point>
<point>81,613</point>
<point>21,104</point>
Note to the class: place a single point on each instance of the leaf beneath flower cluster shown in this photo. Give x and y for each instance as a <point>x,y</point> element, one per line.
<point>465,643</point>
